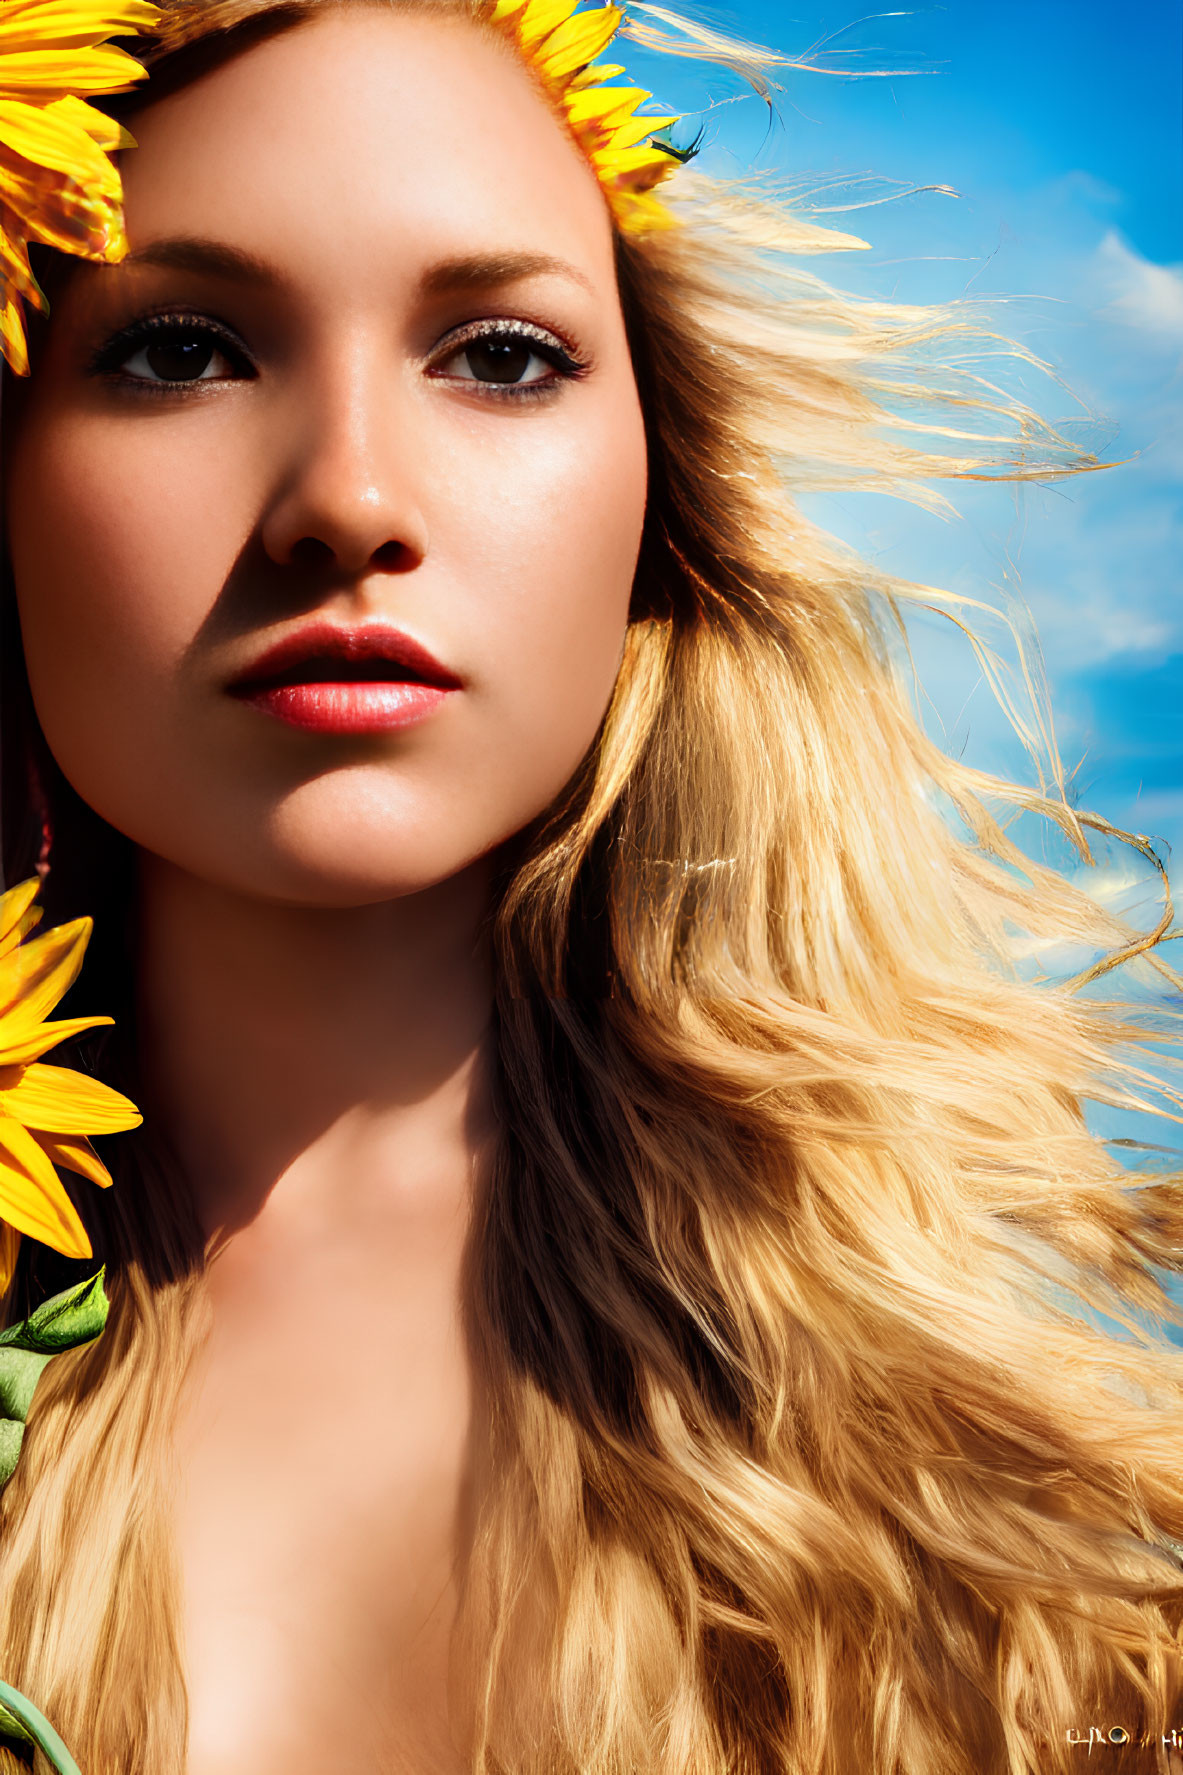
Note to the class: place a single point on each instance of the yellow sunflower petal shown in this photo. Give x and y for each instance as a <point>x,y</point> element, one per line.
<point>576,42</point>
<point>595,76</point>
<point>58,18</point>
<point>603,106</point>
<point>50,136</point>
<point>18,281</point>
<point>114,245</point>
<point>635,130</point>
<point>12,338</point>
<point>10,1244</point>
<point>54,1100</point>
<point>102,130</point>
<point>44,1037</point>
<point>75,1153</point>
<point>34,977</point>
<point>52,209</point>
<point>539,18</point>
<point>619,163</point>
<point>52,73</point>
<point>32,1197</point>
<point>66,25</point>
<point>28,922</point>
<point>13,907</point>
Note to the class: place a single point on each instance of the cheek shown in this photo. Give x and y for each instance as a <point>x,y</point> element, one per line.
<point>549,549</point>
<point>118,548</point>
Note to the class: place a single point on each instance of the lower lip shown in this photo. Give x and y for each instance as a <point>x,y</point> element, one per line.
<point>350,707</point>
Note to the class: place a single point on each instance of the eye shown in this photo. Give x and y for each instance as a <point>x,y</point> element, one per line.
<point>506,355</point>
<point>172,351</point>
<point>499,360</point>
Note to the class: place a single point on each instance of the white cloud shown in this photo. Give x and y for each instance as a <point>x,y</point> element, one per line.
<point>1102,573</point>
<point>1127,886</point>
<point>1143,294</point>
<point>1098,559</point>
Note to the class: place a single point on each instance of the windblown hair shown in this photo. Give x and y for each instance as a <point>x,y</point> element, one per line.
<point>804,1452</point>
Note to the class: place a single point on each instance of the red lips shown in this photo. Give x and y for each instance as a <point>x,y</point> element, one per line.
<point>327,678</point>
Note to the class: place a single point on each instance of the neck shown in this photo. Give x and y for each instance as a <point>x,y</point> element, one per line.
<point>287,1046</point>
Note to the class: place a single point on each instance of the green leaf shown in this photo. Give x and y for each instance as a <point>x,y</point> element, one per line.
<point>19,1719</point>
<point>63,1322</point>
<point>12,1434</point>
<point>10,1727</point>
<point>20,1370</point>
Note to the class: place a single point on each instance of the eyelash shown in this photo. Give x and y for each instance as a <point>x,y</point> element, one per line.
<point>158,329</point>
<point>152,329</point>
<point>545,344</point>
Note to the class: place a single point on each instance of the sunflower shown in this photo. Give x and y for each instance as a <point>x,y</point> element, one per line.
<point>57,184</point>
<point>560,43</point>
<point>46,1112</point>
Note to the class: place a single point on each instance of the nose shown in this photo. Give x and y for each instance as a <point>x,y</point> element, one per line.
<point>348,493</point>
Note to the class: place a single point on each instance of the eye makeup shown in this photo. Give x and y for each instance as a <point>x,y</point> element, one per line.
<point>497,355</point>
<point>177,347</point>
<point>174,350</point>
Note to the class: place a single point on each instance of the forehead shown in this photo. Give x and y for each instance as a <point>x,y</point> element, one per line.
<point>362,137</point>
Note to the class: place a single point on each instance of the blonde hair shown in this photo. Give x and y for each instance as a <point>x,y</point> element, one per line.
<point>803,1453</point>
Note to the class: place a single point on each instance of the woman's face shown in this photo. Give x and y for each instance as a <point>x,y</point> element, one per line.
<point>324,506</point>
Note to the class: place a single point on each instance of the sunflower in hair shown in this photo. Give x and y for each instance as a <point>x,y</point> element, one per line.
<point>46,1112</point>
<point>561,43</point>
<point>57,182</point>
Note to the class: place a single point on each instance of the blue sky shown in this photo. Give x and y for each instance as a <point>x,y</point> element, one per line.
<point>1059,124</point>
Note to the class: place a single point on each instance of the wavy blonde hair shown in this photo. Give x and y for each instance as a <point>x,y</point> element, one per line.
<point>804,1454</point>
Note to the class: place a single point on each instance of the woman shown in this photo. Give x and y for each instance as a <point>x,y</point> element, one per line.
<point>589,1294</point>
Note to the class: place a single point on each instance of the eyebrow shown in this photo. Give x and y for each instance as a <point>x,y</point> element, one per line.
<point>449,277</point>
<point>482,270</point>
<point>187,252</point>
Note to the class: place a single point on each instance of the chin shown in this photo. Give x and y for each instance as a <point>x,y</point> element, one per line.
<point>336,870</point>
<point>352,837</point>
<point>337,883</point>
<point>333,852</point>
